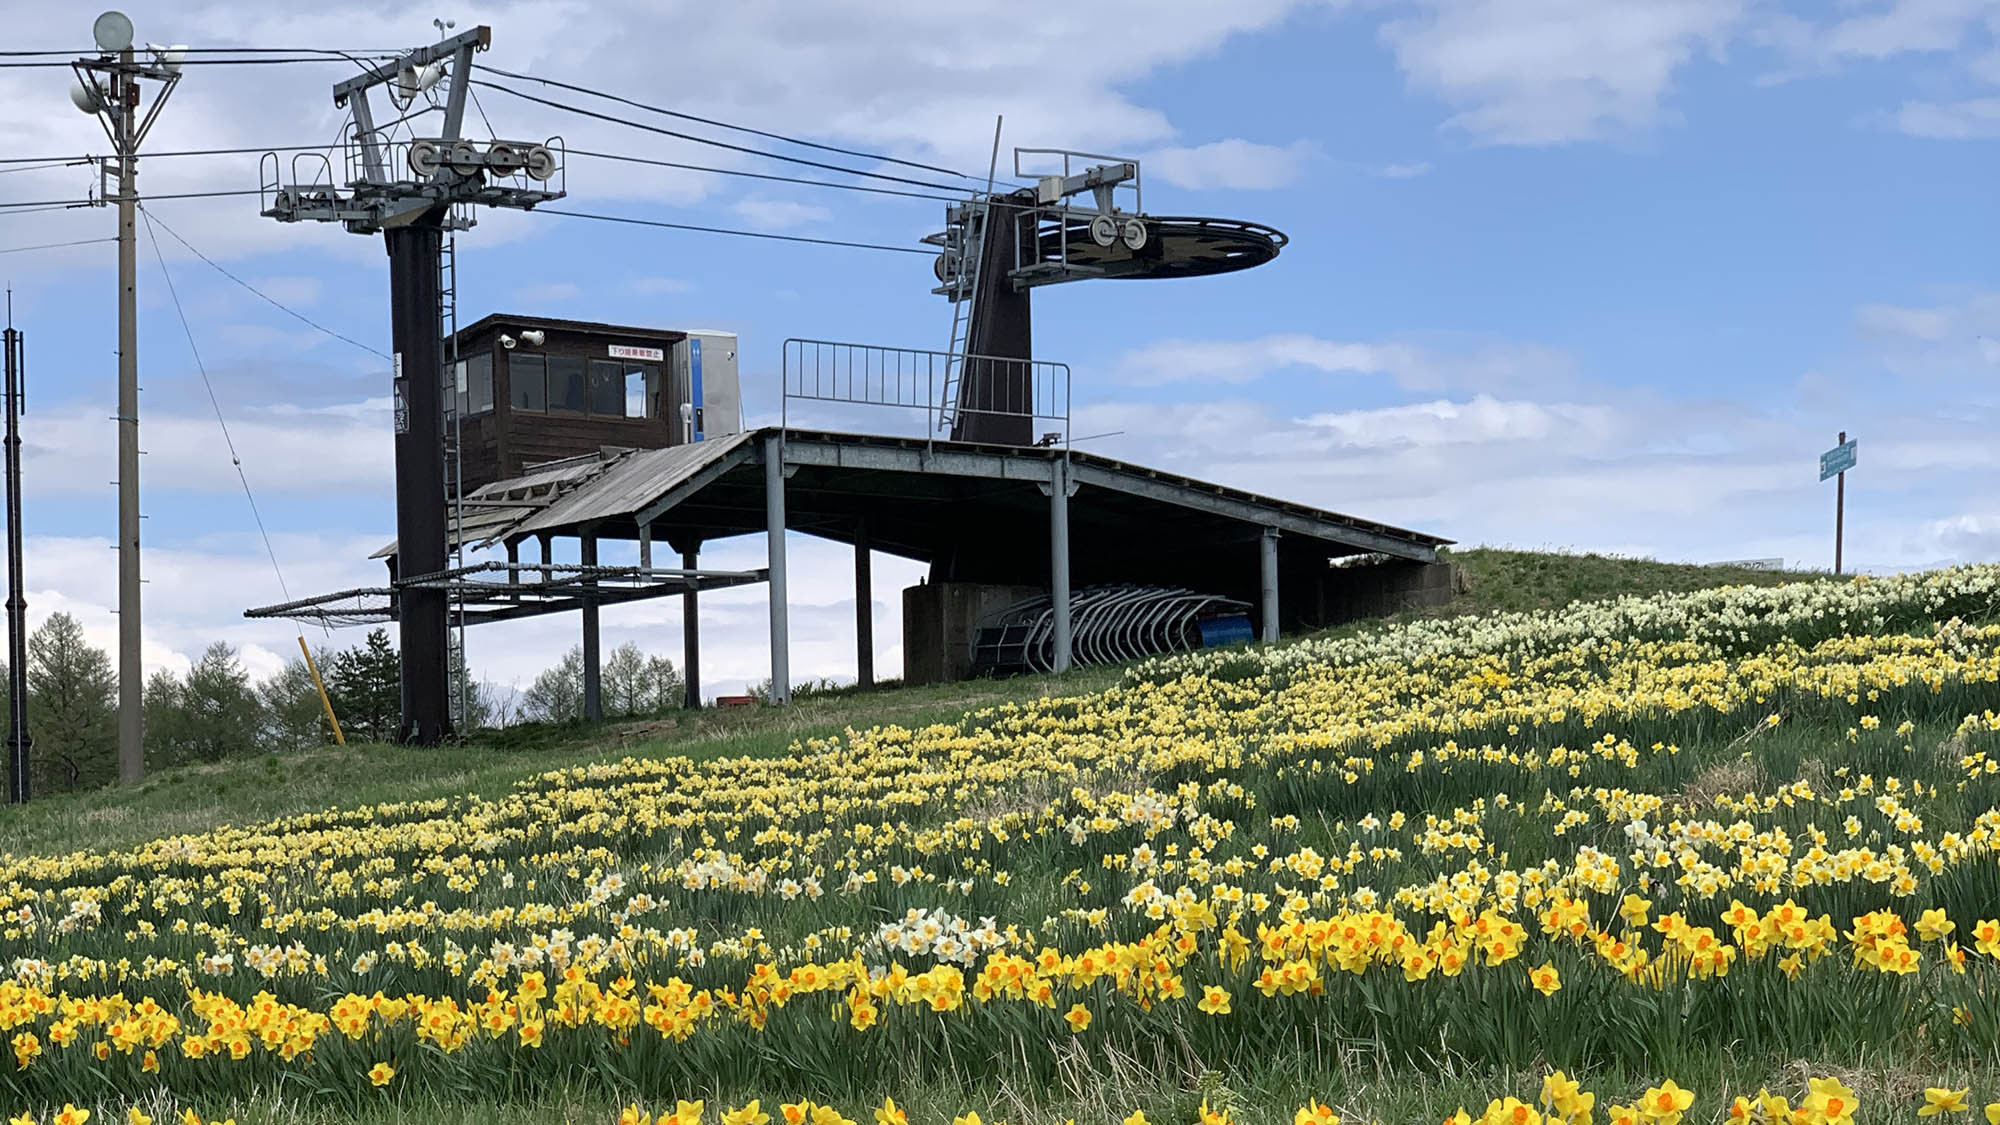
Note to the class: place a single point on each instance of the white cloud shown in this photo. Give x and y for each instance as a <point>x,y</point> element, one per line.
<point>1966,536</point>
<point>330,451</point>
<point>780,214</point>
<point>1414,365</point>
<point>1956,339</point>
<point>1404,171</point>
<point>1537,72</point>
<point>1884,29</point>
<point>1233,164</point>
<point>1480,420</point>
<point>1950,121</point>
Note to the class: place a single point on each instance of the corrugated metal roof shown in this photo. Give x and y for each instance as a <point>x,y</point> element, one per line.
<point>627,486</point>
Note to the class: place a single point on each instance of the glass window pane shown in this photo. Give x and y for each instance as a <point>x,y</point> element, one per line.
<point>566,383</point>
<point>640,379</point>
<point>479,384</point>
<point>527,382</point>
<point>607,388</point>
<point>454,394</point>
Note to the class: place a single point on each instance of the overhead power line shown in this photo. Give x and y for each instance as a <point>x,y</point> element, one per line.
<point>727,230</point>
<point>652,163</point>
<point>665,112</point>
<point>273,301</point>
<point>28,163</point>
<point>59,245</point>
<point>54,203</point>
<point>57,64</point>
<point>376,52</point>
<point>228,442</point>
<point>629,123</point>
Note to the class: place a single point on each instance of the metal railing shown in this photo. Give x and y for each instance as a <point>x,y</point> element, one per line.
<point>915,380</point>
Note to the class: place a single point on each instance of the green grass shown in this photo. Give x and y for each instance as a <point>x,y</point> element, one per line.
<point>249,789</point>
<point>261,787</point>
<point>1093,1083</point>
<point>1527,580</point>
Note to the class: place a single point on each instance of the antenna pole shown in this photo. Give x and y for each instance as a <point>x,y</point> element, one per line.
<point>111,79</point>
<point>18,742</point>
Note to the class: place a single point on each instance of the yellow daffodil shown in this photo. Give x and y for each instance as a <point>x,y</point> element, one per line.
<point>1940,1099</point>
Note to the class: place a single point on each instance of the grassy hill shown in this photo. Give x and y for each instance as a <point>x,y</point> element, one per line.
<point>1394,868</point>
<point>244,790</point>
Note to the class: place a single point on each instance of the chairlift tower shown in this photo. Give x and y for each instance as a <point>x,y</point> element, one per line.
<point>1081,222</point>
<point>412,189</point>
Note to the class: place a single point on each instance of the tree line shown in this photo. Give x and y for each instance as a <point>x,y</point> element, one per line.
<point>217,711</point>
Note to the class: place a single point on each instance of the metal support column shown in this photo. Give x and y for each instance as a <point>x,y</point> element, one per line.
<point>1059,560</point>
<point>425,623</point>
<point>774,526</point>
<point>1267,550</point>
<point>646,546</point>
<point>864,608</point>
<point>691,630</point>
<point>513,556</point>
<point>593,670</point>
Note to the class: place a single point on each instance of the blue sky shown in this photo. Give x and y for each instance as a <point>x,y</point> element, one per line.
<point>1602,276</point>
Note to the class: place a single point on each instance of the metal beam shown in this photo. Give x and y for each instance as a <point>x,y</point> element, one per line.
<point>864,608</point>
<point>1249,513</point>
<point>691,631</point>
<point>1059,564</point>
<point>593,669</point>
<point>937,462</point>
<point>1267,557</point>
<point>774,528</point>
<point>481,36</point>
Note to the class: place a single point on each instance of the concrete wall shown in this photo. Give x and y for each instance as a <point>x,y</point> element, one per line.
<point>1385,589</point>
<point>939,619</point>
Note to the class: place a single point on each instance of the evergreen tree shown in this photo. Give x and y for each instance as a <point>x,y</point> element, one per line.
<point>209,716</point>
<point>72,708</point>
<point>366,684</point>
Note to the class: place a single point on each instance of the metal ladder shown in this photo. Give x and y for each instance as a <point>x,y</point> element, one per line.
<point>454,461</point>
<point>969,231</point>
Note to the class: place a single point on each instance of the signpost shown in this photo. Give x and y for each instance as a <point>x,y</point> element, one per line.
<point>1834,463</point>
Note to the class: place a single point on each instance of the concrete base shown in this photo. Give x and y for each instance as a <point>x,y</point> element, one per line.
<point>1386,589</point>
<point>939,619</point>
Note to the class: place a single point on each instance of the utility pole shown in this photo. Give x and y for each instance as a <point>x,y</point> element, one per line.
<point>107,87</point>
<point>18,742</point>
<point>412,190</point>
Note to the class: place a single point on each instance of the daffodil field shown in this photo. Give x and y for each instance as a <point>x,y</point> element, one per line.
<point>1615,842</point>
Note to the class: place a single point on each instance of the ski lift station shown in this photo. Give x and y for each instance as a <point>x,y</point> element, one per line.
<point>529,431</point>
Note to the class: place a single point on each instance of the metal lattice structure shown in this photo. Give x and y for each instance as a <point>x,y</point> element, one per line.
<point>553,588</point>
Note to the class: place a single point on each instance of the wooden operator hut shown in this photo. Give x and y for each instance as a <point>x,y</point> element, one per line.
<point>529,390</point>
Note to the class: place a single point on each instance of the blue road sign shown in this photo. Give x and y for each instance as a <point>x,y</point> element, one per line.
<point>1837,460</point>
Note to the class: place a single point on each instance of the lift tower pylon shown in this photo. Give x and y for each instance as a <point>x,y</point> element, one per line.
<point>411,189</point>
